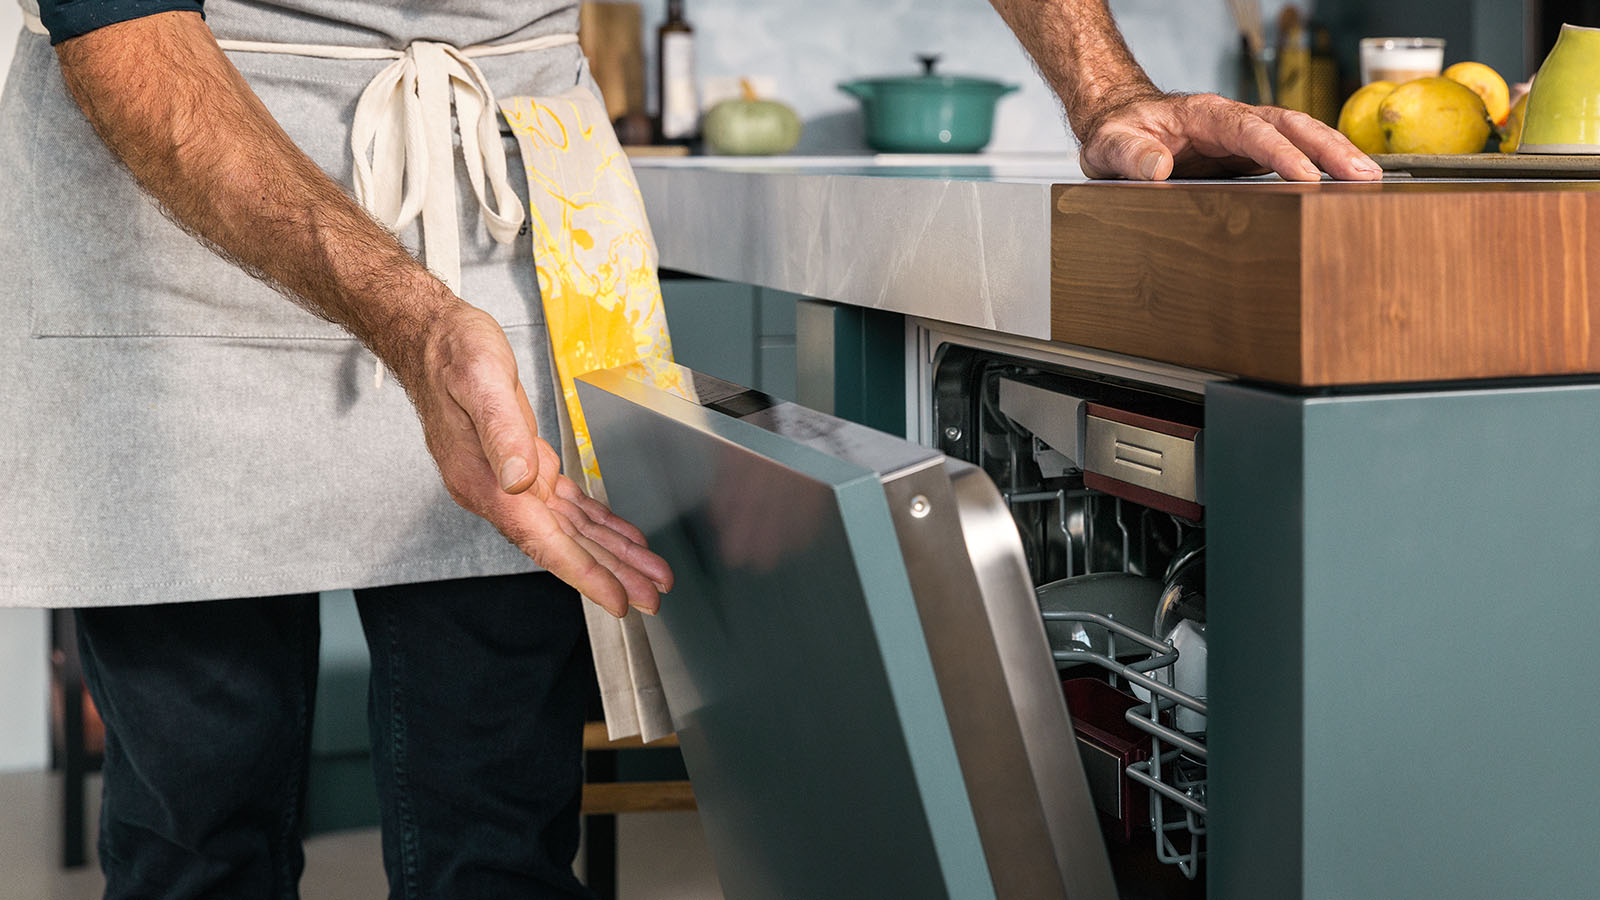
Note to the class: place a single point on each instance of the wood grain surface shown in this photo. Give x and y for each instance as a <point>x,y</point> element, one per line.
<point>1332,284</point>
<point>611,798</point>
<point>595,737</point>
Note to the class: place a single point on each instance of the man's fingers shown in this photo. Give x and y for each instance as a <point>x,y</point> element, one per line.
<point>606,568</point>
<point>639,592</point>
<point>1126,155</point>
<point>487,391</point>
<point>1207,135</point>
<point>555,545</point>
<point>630,554</point>
<point>632,546</point>
<point>567,489</point>
<point>1241,132</point>
<point>1326,146</point>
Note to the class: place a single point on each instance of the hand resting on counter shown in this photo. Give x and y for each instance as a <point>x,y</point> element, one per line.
<point>1206,136</point>
<point>1128,128</point>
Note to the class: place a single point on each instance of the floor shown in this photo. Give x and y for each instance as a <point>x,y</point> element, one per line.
<point>662,856</point>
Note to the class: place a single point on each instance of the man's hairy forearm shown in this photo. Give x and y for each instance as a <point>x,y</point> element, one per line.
<point>1081,54</point>
<point>167,102</point>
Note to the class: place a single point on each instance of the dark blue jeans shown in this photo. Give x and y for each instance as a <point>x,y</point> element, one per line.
<point>476,711</point>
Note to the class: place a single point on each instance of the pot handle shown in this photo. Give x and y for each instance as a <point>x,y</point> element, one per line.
<point>928,60</point>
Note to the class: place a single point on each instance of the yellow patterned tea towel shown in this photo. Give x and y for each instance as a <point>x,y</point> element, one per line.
<point>596,263</point>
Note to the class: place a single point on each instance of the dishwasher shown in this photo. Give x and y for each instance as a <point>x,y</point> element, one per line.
<point>966,665</point>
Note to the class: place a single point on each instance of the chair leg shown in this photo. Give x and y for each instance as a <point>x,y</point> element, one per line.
<point>600,855</point>
<point>600,832</point>
<point>75,756</point>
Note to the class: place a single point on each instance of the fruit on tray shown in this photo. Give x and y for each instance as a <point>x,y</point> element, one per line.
<point>1451,113</point>
<point>1487,84</point>
<point>1358,120</point>
<point>1433,115</point>
<point>1511,131</point>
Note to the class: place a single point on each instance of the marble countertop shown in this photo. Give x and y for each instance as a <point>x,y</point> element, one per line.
<point>961,239</point>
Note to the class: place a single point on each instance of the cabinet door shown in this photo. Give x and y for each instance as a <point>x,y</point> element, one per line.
<point>866,706</point>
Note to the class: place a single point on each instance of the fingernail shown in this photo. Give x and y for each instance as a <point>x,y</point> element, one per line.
<point>515,469</point>
<point>646,610</point>
<point>1149,164</point>
<point>1311,171</point>
<point>1362,164</point>
<point>659,586</point>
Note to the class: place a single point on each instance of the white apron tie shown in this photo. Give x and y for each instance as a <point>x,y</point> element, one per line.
<point>401,141</point>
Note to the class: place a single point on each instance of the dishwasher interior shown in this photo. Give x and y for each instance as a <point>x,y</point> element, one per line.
<point>1101,473</point>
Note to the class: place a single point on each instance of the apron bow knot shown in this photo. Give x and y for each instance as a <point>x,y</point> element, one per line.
<point>402,145</point>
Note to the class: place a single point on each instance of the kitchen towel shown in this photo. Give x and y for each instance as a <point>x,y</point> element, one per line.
<point>596,264</point>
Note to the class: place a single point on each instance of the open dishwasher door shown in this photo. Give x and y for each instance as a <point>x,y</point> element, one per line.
<point>853,653</point>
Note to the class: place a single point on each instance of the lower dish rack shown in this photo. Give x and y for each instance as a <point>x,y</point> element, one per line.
<point>1175,772</point>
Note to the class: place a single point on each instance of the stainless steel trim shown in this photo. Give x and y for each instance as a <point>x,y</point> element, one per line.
<point>1104,362</point>
<point>1021,764</point>
<point>1161,462</point>
<point>1053,417</point>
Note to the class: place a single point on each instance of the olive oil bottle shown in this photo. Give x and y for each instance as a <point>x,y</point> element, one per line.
<point>677,100</point>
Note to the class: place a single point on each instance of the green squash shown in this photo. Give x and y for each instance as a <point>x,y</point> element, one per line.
<point>751,127</point>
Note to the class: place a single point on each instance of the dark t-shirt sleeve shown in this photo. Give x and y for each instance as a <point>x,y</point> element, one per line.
<point>66,19</point>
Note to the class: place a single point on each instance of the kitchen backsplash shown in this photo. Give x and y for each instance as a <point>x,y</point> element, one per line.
<point>807,46</point>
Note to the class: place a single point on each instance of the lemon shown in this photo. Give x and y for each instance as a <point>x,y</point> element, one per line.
<point>1358,120</point>
<point>1486,83</point>
<point>1433,115</point>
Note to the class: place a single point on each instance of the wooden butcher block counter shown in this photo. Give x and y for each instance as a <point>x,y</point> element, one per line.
<point>1333,283</point>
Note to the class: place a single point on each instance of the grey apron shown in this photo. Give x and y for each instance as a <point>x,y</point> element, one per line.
<point>171,429</point>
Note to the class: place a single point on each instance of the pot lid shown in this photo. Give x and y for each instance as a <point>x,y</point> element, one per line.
<point>931,79</point>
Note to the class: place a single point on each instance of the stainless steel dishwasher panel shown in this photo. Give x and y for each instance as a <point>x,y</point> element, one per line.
<point>853,654</point>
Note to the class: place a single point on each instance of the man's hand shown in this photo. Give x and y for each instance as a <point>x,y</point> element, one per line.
<point>1129,129</point>
<point>170,105</point>
<point>482,434</point>
<point>1206,136</point>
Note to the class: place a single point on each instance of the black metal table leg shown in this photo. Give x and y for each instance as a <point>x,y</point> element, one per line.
<point>74,758</point>
<point>600,832</point>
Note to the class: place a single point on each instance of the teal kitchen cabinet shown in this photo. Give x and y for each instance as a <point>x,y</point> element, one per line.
<point>1402,670</point>
<point>738,332</point>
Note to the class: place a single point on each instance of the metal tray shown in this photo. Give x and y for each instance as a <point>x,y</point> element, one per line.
<point>1561,167</point>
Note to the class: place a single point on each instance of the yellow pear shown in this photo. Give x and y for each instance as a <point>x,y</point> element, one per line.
<point>1358,120</point>
<point>1486,83</point>
<point>1511,132</point>
<point>1434,115</point>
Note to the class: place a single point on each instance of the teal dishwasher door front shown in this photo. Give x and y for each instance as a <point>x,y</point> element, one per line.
<point>852,653</point>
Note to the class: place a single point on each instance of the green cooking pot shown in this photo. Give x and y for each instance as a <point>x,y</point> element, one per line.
<point>928,113</point>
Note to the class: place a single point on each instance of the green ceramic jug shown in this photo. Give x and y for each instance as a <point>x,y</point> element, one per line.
<point>1563,114</point>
